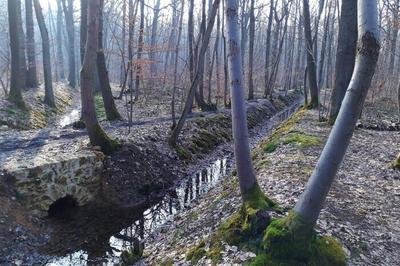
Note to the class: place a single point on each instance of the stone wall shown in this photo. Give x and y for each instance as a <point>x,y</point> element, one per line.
<point>40,183</point>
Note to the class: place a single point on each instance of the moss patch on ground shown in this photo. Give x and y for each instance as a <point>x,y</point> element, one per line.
<point>396,163</point>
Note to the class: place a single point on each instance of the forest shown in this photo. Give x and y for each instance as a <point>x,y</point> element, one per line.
<point>200,132</point>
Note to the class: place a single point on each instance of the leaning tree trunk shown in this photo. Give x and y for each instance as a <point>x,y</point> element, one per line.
<point>268,49</point>
<point>31,75</point>
<point>108,99</point>
<point>345,56</point>
<point>311,65</point>
<point>244,165</point>
<point>16,82</point>
<point>198,76</point>
<point>96,134</point>
<point>296,230</point>
<point>48,83</point>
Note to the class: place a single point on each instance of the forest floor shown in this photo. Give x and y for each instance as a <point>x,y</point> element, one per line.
<point>362,208</point>
<point>156,168</point>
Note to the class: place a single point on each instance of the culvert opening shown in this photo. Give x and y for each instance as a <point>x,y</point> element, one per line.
<point>62,207</point>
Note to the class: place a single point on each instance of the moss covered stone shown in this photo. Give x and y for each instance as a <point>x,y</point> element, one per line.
<point>194,254</point>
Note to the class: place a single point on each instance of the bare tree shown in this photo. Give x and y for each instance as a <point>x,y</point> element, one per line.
<point>109,104</point>
<point>68,8</point>
<point>96,134</point>
<point>296,230</point>
<point>345,55</point>
<point>31,75</point>
<point>17,83</point>
<point>48,83</point>
<point>311,65</point>
<point>199,75</point>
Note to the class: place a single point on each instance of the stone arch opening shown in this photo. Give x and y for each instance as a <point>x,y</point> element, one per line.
<point>62,207</point>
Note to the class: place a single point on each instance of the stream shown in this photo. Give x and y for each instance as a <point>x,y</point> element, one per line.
<point>102,241</point>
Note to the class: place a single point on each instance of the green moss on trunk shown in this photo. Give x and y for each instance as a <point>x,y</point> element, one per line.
<point>293,241</point>
<point>246,226</point>
<point>100,138</point>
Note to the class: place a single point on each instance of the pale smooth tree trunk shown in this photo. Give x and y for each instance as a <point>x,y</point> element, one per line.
<point>17,83</point>
<point>96,134</point>
<point>198,76</point>
<point>311,65</point>
<point>108,99</point>
<point>345,55</point>
<point>31,75</point>
<point>244,165</point>
<point>318,186</point>
<point>48,83</point>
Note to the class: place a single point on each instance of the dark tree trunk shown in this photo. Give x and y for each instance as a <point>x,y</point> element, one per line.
<point>109,105</point>
<point>96,134</point>
<point>251,50</point>
<point>312,68</point>
<point>31,75</point>
<point>345,56</point>
<point>69,21</point>
<point>60,57</point>
<point>16,82</point>
<point>48,83</point>
<point>22,57</point>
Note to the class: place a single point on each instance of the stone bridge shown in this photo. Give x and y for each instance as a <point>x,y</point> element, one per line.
<point>43,175</point>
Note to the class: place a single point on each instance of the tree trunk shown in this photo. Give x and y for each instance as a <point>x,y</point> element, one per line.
<point>153,41</point>
<point>84,8</point>
<point>22,65</point>
<point>251,50</point>
<point>268,49</point>
<point>176,64</point>
<point>108,99</point>
<point>244,165</point>
<point>296,229</point>
<point>48,83</point>
<point>60,57</point>
<point>31,75</point>
<point>139,51</point>
<point>16,82</point>
<point>188,104</point>
<point>313,198</point>
<point>69,21</point>
<point>96,134</point>
<point>345,56</point>
<point>312,69</point>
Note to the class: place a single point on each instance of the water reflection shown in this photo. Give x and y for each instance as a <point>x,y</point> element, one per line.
<point>108,247</point>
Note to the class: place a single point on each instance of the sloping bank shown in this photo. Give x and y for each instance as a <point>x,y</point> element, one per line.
<point>361,210</point>
<point>147,169</point>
